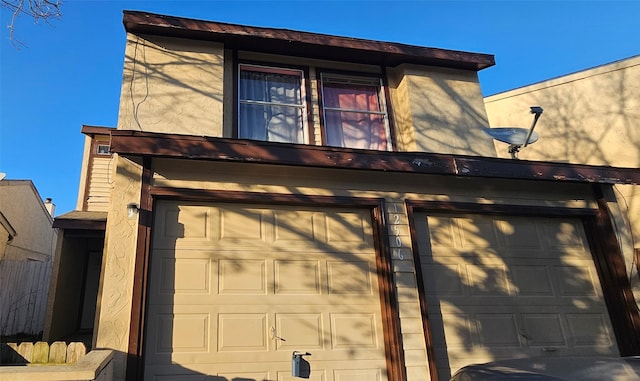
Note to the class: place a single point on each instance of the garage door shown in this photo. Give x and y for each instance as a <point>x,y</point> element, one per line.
<point>236,289</point>
<point>504,287</point>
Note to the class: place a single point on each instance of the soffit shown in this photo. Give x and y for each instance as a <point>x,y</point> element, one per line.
<point>304,44</point>
<point>136,143</point>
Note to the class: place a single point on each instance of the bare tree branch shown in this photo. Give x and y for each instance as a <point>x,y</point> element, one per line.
<point>38,10</point>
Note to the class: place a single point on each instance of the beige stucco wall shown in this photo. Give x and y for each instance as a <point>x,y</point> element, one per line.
<point>439,110</point>
<point>590,117</point>
<point>113,311</point>
<point>25,211</point>
<point>172,85</point>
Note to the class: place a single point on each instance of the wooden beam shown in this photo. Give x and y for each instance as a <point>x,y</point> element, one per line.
<point>136,143</point>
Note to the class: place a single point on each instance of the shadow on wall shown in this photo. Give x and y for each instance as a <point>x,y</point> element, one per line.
<point>589,119</point>
<point>157,73</point>
<point>449,116</point>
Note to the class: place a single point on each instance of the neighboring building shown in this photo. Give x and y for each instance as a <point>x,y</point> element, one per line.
<point>27,246</point>
<point>590,117</point>
<point>275,192</point>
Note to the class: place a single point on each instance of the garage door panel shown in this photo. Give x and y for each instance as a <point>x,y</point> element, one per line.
<point>174,223</point>
<point>497,330</point>
<point>192,226</point>
<point>243,286</point>
<point>589,330</point>
<point>502,287</point>
<point>301,330</point>
<point>565,234</point>
<point>287,280</point>
<point>185,275</point>
<point>453,276</point>
<point>532,280</point>
<point>512,233</point>
<point>577,279</point>
<point>544,329</point>
<point>248,276</point>
<point>351,277</point>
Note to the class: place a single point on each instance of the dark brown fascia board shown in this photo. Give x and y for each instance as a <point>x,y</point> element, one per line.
<point>78,224</point>
<point>79,220</point>
<point>304,44</point>
<point>136,143</point>
<point>96,130</point>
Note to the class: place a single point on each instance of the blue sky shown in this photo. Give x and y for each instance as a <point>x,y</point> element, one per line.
<point>69,73</point>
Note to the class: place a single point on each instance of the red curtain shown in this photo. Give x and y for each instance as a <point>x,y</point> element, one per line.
<point>358,123</point>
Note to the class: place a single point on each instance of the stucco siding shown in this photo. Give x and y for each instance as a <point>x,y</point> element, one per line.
<point>446,111</point>
<point>172,85</point>
<point>115,292</point>
<point>22,206</point>
<point>590,117</point>
<point>401,104</point>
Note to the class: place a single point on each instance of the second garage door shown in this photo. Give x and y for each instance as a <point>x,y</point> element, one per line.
<point>504,287</point>
<point>235,289</point>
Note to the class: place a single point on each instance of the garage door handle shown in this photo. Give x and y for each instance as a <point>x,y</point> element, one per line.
<point>549,349</point>
<point>273,334</point>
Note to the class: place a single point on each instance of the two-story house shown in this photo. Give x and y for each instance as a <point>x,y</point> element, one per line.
<point>275,193</point>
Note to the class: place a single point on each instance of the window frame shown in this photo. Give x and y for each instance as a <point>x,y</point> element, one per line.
<point>365,79</point>
<point>304,106</point>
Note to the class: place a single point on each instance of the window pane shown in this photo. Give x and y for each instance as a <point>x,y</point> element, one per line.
<point>270,87</point>
<point>271,123</point>
<point>351,97</point>
<point>270,105</point>
<point>355,130</point>
<point>353,114</point>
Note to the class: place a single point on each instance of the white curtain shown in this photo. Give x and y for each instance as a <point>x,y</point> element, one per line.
<point>270,107</point>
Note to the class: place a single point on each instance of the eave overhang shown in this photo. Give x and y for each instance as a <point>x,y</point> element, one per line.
<point>136,143</point>
<point>81,220</point>
<point>95,130</point>
<point>302,44</point>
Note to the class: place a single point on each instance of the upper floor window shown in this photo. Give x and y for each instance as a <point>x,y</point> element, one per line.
<point>271,104</point>
<point>103,149</point>
<point>354,112</point>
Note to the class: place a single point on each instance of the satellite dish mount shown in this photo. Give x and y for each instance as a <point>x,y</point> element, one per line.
<point>517,137</point>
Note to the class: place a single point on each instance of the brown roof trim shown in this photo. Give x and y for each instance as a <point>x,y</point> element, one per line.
<point>96,130</point>
<point>79,220</point>
<point>136,143</point>
<point>305,44</point>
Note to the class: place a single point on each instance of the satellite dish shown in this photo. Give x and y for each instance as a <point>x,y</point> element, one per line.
<point>512,135</point>
<point>516,137</point>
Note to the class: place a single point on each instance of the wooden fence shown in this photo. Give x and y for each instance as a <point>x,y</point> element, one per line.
<point>24,287</point>
<point>40,352</point>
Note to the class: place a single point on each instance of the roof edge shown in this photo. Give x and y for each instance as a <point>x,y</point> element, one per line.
<point>285,40</point>
<point>136,143</point>
<point>96,130</point>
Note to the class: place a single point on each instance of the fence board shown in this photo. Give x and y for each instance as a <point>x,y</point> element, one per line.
<point>41,352</point>
<point>24,287</point>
